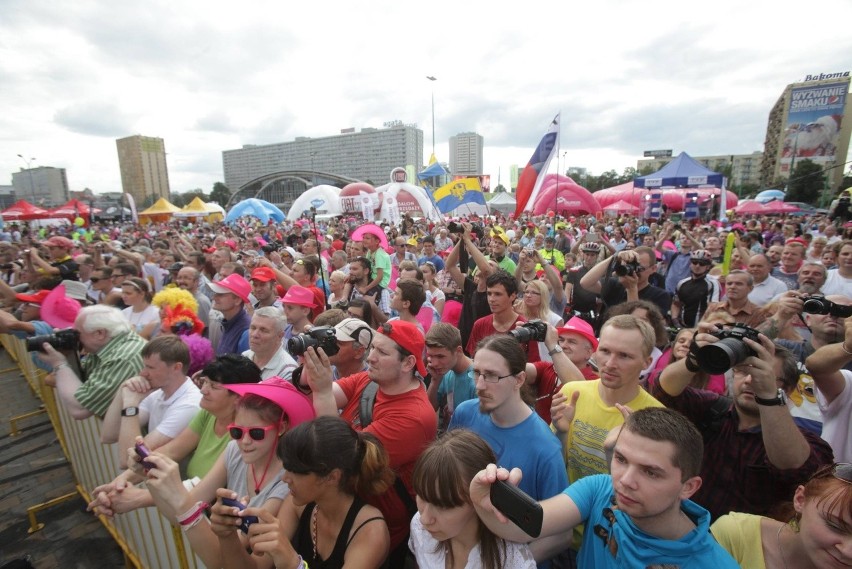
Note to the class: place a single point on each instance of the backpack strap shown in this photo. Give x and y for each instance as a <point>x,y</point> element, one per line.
<point>365,404</point>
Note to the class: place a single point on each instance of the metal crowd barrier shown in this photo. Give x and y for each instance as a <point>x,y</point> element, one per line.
<point>147,539</point>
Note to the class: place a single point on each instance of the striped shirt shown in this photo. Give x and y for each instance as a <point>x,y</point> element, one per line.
<point>106,370</point>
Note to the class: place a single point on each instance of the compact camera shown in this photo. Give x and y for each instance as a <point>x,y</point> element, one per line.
<point>532,331</point>
<point>815,304</point>
<point>320,337</point>
<point>62,340</point>
<point>247,520</point>
<point>729,351</point>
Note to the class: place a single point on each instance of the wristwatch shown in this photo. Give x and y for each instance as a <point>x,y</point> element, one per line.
<point>130,411</point>
<point>557,349</point>
<point>779,399</point>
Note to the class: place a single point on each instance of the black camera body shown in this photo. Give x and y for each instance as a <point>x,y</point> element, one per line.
<point>61,340</point>
<point>815,304</point>
<point>627,268</point>
<point>729,351</point>
<point>454,227</point>
<point>532,331</point>
<point>320,337</point>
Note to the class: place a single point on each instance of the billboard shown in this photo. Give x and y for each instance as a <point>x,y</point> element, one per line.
<point>813,124</point>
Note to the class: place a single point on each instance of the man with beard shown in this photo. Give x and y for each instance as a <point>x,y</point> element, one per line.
<point>695,292</point>
<point>518,436</point>
<point>360,269</point>
<point>825,330</point>
<point>263,289</point>
<point>766,287</point>
<point>581,302</point>
<point>402,418</point>
<point>791,260</point>
<point>501,289</point>
<point>755,454</point>
<point>774,255</point>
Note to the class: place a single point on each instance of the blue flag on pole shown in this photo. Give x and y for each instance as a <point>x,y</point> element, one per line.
<point>458,192</point>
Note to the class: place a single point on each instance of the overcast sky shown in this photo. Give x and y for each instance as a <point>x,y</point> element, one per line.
<point>210,76</point>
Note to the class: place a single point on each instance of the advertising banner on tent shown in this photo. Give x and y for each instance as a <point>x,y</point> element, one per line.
<point>690,210</point>
<point>132,203</point>
<point>653,210</point>
<point>367,207</point>
<point>813,124</point>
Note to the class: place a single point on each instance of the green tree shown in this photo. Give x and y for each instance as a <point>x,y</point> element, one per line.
<point>220,194</point>
<point>177,199</point>
<point>196,193</point>
<point>628,175</point>
<point>499,189</point>
<point>647,169</point>
<point>806,182</point>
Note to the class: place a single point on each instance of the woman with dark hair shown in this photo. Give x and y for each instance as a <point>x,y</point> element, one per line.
<point>249,470</point>
<point>136,294</point>
<point>362,310</point>
<point>445,531</point>
<point>323,522</point>
<point>818,535</point>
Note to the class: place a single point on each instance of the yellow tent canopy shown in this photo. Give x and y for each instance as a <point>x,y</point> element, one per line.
<point>197,208</point>
<point>162,210</point>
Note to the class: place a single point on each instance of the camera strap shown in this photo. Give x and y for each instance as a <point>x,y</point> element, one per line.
<point>691,359</point>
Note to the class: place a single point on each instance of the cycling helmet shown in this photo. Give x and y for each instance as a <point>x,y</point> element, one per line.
<point>590,248</point>
<point>702,255</point>
<point>643,230</point>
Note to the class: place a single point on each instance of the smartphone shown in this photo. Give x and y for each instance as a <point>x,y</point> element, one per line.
<point>518,506</point>
<point>143,452</point>
<point>248,520</point>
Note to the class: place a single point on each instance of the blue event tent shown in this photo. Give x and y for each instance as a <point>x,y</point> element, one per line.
<point>682,172</point>
<point>253,207</point>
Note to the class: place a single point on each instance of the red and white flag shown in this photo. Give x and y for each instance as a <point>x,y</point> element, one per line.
<point>532,176</point>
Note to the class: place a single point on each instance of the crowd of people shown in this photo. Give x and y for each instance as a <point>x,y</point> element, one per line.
<point>340,394</point>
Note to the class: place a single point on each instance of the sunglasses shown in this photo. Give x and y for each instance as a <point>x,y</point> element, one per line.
<point>256,433</point>
<point>702,263</point>
<point>95,279</point>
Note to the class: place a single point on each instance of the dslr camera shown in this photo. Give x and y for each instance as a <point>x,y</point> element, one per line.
<point>626,268</point>
<point>319,337</point>
<point>61,340</point>
<point>532,331</point>
<point>454,227</point>
<point>815,304</point>
<point>729,351</point>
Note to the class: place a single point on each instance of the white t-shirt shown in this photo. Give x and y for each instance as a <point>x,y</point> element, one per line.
<point>170,416</point>
<point>141,319</point>
<point>835,424</point>
<point>837,284</point>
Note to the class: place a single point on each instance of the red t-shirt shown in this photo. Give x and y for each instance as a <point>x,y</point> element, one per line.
<point>405,424</point>
<point>319,301</point>
<point>484,327</point>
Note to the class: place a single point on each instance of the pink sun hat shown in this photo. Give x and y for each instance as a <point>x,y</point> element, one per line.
<point>372,229</point>
<point>59,310</point>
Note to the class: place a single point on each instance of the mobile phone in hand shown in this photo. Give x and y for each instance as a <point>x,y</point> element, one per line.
<point>248,520</point>
<point>143,453</point>
<point>518,506</point>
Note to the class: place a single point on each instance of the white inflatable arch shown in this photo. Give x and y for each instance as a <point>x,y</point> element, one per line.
<point>326,199</point>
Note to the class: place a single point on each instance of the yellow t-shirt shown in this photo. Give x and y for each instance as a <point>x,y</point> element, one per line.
<point>593,419</point>
<point>739,534</point>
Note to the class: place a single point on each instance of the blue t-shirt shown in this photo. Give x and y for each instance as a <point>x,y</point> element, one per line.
<point>435,260</point>
<point>462,386</point>
<point>530,445</point>
<point>612,540</point>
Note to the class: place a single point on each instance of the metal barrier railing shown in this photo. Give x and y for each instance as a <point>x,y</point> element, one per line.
<point>147,539</point>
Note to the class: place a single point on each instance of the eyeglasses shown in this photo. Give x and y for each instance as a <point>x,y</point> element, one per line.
<point>256,433</point>
<point>489,376</point>
<point>95,279</point>
<point>841,471</point>
<point>702,263</point>
<point>114,276</point>
<point>742,371</point>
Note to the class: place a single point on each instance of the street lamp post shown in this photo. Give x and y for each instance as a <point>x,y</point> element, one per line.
<point>433,79</point>
<point>30,172</point>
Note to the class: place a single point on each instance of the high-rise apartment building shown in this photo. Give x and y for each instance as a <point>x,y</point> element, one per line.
<point>807,122</point>
<point>367,155</point>
<point>144,174</point>
<point>745,168</point>
<point>466,154</point>
<point>42,186</point>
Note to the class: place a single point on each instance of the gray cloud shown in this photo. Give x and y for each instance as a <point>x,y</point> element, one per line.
<point>94,118</point>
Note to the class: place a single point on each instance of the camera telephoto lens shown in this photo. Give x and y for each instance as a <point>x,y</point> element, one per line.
<point>718,358</point>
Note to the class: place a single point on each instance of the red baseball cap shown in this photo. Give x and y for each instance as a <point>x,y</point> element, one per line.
<point>409,337</point>
<point>34,298</point>
<point>577,325</point>
<point>263,274</point>
<point>798,240</point>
